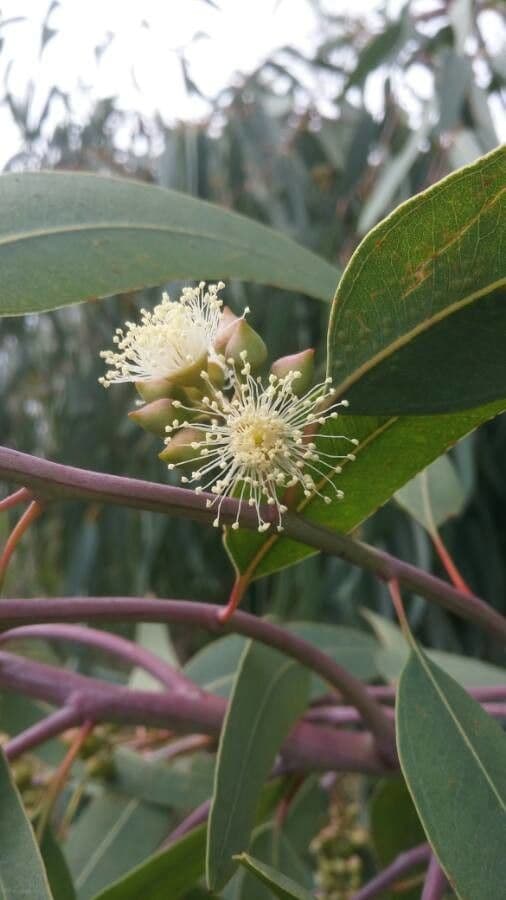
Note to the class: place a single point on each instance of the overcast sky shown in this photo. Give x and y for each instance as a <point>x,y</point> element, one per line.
<point>141,66</point>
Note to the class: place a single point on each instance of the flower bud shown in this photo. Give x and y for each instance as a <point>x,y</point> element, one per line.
<point>216,374</point>
<point>179,447</point>
<point>155,416</point>
<point>302,362</point>
<point>154,389</point>
<point>244,340</point>
<point>228,318</point>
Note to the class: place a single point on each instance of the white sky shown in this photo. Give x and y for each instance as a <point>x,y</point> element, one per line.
<point>141,66</point>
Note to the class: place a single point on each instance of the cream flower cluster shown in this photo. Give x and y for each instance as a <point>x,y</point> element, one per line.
<point>169,340</point>
<point>253,447</point>
<point>251,440</point>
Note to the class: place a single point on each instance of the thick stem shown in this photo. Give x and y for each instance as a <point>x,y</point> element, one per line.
<point>435,881</point>
<point>402,864</point>
<point>205,616</point>
<point>308,747</point>
<point>109,643</point>
<point>53,481</point>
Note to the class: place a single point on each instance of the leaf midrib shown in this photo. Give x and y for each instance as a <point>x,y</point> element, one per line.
<point>456,722</point>
<point>106,843</point>
<point>260,711</point>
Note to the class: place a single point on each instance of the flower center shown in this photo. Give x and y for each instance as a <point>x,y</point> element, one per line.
<point>256,439</point>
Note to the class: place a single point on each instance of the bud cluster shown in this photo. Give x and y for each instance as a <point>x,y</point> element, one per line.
<point>195,365</point>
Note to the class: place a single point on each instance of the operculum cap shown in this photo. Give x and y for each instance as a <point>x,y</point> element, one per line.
<point>302,362</point>
<point>228,319</point>
<point>155,416</point>
<point>155,389</point>
<point>179,448</point>
<point>243,341</point>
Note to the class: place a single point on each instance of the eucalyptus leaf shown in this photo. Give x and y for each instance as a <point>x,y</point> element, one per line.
<point>68,237</point>
<point>453,756</point>
<point>22,871</point>
<point>423,286</point>
<point>270,693</point>
<point>434,495</point>
<point>279,884</point>
<point>110,836</point>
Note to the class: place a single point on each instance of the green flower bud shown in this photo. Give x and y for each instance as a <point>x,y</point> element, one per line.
<point>228,318</point>
<point>155,416</point>
<point>302,362</point>
<point>244,340</point>
<point>179,447</point>
<point>155,389</point>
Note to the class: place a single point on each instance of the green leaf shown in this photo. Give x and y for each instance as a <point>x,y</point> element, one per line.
<point>376,52</point>
<point>392,655</point>
<point>434,495</point>
<point>113,834</point>
<point>271,846</point>
<point>68,237</point>
<point>391,452</point>
<point>279,884</point>
<point>423,287</point>
<point>270,693</point>
<point>395,826</point>
<point>58,874</point>
<point>170,873</point>
<point>22,872</point>
<point>214,667</point>
<point>453,757</point>
<point>182,785</point>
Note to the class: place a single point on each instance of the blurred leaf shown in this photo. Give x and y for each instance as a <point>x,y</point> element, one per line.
<point>390,179</point>
<point>56,867</point>
<point>270,693</point>
<point>175,869</point>
<point>307,814</point>
<point>452,84</point>
<point>452,755</point>
<point>21,868</point>
<point>393,655</point>
<point>435,495</point>
<point>155,638</point>
<point>68,237</point>
<point>16,717</point>
<point>181,785</point>
<point>422,287</point>
<point>413,442</point>
<point>214,667</point>
<point>395,826</point>
<point>280,886</point>
<point>379,50</point>
<point>110,836</point>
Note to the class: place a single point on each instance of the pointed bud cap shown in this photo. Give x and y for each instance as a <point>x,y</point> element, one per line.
<point>179,447</point>
<point>228,318</point>
<point>244,340</point>
<point>154,389</point>
<point>302,362</point>
<point>155,416</point>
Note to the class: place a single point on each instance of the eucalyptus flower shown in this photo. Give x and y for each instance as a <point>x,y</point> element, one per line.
<point>254,444</point>
<point>171,342</point>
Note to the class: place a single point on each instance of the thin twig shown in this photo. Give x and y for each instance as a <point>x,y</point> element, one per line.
<point>52,726</point>
<point>14,499</point>
<point>31,513</point>
<point>435,881</point>
<point>60,777</point>
<point>401,864</point>
<point>112,644</point>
